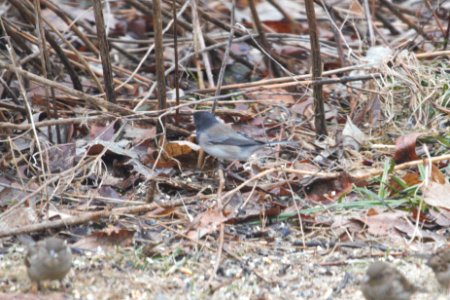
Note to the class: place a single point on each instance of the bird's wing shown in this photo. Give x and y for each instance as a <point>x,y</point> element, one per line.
<point>407,286</point>
<point>225,137</point>
<point>222,135</point>
<point>235,139</point>
<point>27,261</point>
<point>32,254</point>
<point>446,255</point>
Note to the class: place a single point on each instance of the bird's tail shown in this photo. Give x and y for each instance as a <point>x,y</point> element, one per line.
<point>26,240</point>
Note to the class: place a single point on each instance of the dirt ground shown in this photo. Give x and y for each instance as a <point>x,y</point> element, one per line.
<point>273,266</point>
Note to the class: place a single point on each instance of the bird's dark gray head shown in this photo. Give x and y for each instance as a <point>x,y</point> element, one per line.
<point>376,269</point>
<point>55,244</point>
<point>203,120</point>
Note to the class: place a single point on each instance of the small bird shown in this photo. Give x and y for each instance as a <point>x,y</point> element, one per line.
<point>440,263</point>
<point>222,142</point>
<point>385,282</point>
<point>48,259</point>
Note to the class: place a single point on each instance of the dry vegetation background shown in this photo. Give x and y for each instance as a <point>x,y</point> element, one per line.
<point>110,163</point>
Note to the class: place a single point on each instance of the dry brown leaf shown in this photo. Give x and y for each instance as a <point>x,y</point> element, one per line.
<point>56,213</point>
<point>20,217</point>
<point>284,26</point>
<point>383,224</point>
<point>413,178</point>
<point>437,195</point>
<point>178,148</point>
<point>392,223</point>
<point>184,152</point>
<point>406,148</point>
<point>60,157</point>
<point>343,225</point>
<point>206,223</point>
<point>441,217</point>
<point>110,236</point>
<point>411,230</point>
<point>241,4</point>
<point>273,96</point>
<point>356,8</point>
<point>302,106</point>
<point>256,208</point>
<point>101,132</point>
<point>138,134</point>
<point>10,192</point>
<point>352,137</point>
<point>437,175</point>
<point>410,179</point>
<point>303,166</point>
<point>372,212</point>
<point>327,190</point>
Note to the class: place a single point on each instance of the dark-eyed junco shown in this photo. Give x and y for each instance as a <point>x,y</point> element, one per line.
<point>48,259</point>
<point>222,142</point>
<point>385,282</point>
<point>440,263</point>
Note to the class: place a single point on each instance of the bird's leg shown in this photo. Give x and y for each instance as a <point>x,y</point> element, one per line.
<point>35,287</point>
<point>447,290</point>
<point>201,159</point>
<point>62,285</point>
<point>235,163</point>
<point>221,185</point>
<point>220,164</point>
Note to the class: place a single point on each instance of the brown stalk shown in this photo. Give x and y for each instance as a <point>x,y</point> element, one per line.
<point>239,33</point>
<point>45,66</point>
<point>199,42</point>
<point>175,50</point>
<point>225,56</point>
<point>159,58</point>
<point>336,32</point>
<point>447,33</point>
<point>319,110</point>
<point>188,27</point>
<point>104,52</point>
<point>368,16</point>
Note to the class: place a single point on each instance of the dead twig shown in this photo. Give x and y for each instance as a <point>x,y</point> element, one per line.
<point>262,39</point>
<point>90,99</point>
<point>355,177</point>
<point>399,14</point>
<point>77,220</point>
